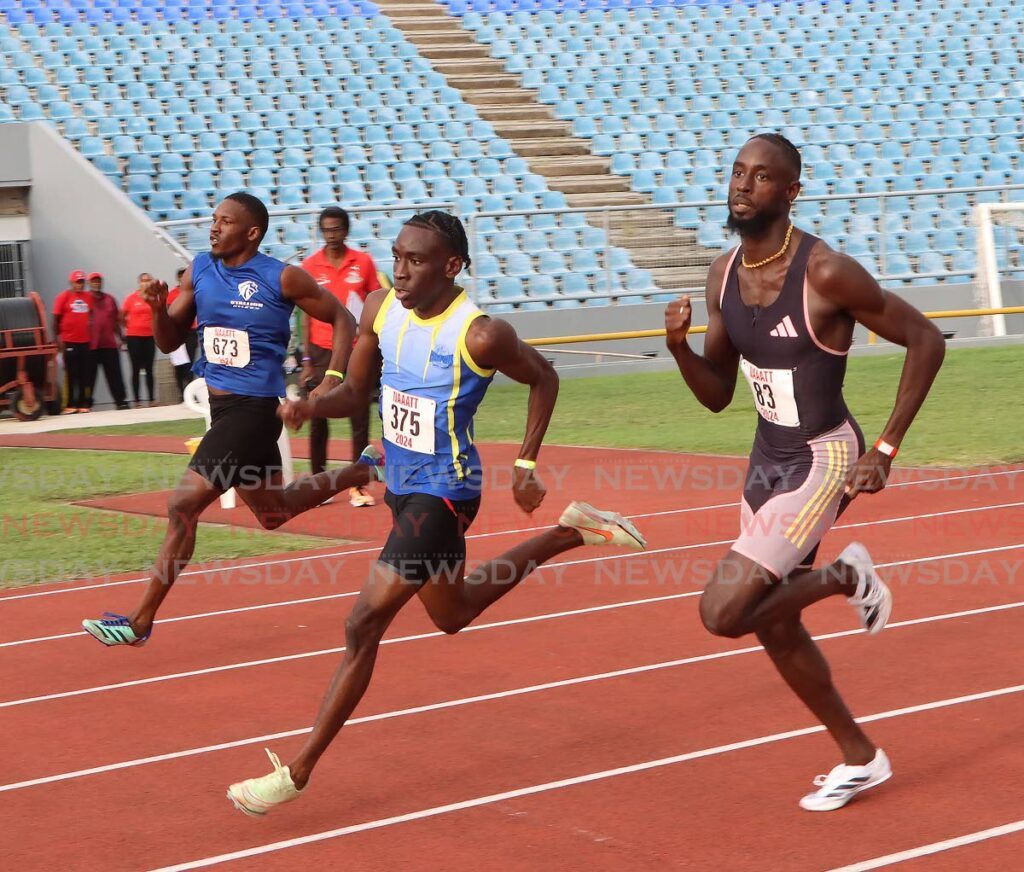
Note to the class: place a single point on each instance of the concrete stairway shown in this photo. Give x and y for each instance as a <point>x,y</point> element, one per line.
<point>670,253</point>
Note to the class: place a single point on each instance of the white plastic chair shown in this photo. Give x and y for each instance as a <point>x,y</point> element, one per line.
<point>197,399</point>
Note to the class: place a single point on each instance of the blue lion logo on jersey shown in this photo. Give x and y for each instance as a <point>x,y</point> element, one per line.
<point>246,290</point>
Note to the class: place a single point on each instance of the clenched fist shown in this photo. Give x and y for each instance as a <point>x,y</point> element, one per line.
<point>678,315</point>
<point>527,489</point>
<point>295,413</point>
<point>155,292</point>
<point>869,474</point>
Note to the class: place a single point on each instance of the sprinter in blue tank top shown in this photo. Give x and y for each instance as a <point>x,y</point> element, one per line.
<point>242,300</point>
<point>440,353</point>
<point>782,309</point>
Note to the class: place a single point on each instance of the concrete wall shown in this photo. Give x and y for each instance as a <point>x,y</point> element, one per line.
<point>606,319</point>
<point>81,220</point>
<point>1013,295</point>
<point>15,163</point>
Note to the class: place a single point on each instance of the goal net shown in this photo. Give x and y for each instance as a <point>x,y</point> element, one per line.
<point>999,279</point>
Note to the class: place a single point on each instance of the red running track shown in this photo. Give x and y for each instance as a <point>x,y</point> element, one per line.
<point>512,760</point>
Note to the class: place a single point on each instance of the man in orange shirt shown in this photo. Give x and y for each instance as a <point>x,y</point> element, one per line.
<point>71,313</point>
<point>349,275</point>
<point>137,317</point>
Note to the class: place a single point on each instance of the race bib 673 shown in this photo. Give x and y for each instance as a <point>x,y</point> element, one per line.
<point>225,346</point>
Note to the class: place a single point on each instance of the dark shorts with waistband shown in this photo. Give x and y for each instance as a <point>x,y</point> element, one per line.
<point>240,448</point>
<point>428,535</point>
<point>791,501</point>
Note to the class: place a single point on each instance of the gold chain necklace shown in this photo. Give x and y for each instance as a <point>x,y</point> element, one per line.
<point>768,260</point>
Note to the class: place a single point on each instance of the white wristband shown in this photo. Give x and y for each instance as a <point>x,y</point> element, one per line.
<point>885,448</point>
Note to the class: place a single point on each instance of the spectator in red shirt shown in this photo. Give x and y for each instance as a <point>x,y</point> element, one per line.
<point>183,371</point>
<point>105,341</point>
<point>71,327</point>
<point>350,275</point>
<point>137,318</point>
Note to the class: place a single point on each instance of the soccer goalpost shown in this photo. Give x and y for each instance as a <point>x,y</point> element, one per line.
<point>988,290</point>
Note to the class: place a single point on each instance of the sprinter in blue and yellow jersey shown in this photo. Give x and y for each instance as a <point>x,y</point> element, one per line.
<point>440,353</point>
<point>242,301</point>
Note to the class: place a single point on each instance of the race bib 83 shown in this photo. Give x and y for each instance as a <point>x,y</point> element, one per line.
<point>774,398</point>
<point>408,420</point>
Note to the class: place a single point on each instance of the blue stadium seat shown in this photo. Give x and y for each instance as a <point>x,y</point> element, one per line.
<point>260,178</point>
<point>236,89</point>
<point>509,287</point>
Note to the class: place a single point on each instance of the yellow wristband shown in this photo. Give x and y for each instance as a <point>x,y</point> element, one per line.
<point>526,464</point>
<point>340,376</point>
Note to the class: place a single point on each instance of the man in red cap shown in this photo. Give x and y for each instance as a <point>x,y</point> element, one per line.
<point>71,327</point>
<point>105,341</point>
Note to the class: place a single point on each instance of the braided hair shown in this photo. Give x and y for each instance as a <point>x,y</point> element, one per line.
<point>448,226</point>
<point>791,151</point>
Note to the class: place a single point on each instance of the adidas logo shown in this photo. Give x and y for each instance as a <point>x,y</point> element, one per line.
<point>784,328</point>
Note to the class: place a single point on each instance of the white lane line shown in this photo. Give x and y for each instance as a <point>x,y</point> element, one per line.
<point>933,848</point>
<point>393,641</point>
<point>211,570</point>
<point>472,628</point>
<point>561,784</point>
<point>281,561</point>
<point>947,513</point>
<point>964,477</point>
<point>368,550</point>
<point>240,609</point>
<point>295,602</point>
<point>485,697</point>
<point>544,568</point>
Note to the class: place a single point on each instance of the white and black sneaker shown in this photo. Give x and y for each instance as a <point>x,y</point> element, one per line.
<point>844,782</point>
<point>872,599</point>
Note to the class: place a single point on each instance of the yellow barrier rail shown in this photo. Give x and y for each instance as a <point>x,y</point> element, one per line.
<point>650,334</point>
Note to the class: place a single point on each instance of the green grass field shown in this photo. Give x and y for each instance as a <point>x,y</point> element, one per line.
<point>974,414</point>
<point>44,538</point>
<point>973,417</point>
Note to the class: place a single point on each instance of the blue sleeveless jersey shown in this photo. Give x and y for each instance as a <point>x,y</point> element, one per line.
<point>428,360</point>
<point>246,298</point>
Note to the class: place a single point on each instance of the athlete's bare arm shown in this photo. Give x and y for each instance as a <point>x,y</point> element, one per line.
<point>353,395</point>
<point>302,289</point>
<point>171,325</point>
<point>842,281</point>
<point>493,344</point>
<point>712,375</point>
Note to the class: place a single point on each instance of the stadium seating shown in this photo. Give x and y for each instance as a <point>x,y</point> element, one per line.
<point>895,97</point>
<point>183,101</point>
<point>181,112</point>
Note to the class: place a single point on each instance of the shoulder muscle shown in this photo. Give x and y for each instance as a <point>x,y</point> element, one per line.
<point>842,281</point>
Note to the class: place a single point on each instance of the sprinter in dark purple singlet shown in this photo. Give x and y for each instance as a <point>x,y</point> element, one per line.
<point>782,308</point>
<point>242,301</point>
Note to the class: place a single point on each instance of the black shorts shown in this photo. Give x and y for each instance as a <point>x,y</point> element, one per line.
<point>428,535</point>
<point>240,448</point>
